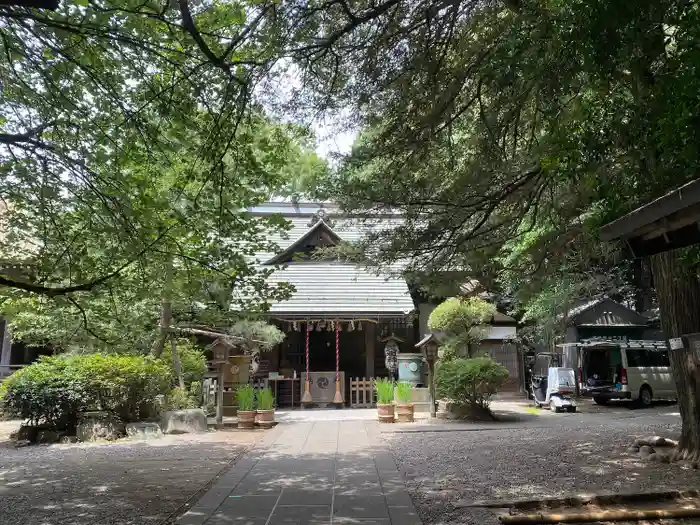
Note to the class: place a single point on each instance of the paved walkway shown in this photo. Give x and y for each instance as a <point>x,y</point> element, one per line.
<point>310,473</point>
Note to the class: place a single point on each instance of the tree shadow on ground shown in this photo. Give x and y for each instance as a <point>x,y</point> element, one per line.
<point>515,463</point>
<point>121,483</point>
<point>314,473</point>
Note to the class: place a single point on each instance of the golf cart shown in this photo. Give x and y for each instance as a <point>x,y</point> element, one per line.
<point>552,385</point>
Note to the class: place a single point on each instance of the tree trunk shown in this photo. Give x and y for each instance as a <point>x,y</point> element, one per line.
<point>176,363</point>
<point>166,313</point>
<point>642,286</point>
<point>678,291</point>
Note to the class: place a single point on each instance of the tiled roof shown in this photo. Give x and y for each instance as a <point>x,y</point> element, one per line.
<point>330,287</point>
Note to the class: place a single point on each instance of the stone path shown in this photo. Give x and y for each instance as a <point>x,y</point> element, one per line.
<point>310,473</point>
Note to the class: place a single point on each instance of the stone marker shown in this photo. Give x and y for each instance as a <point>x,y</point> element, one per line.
<point>646,450</point>
<point>143,430</point>
<point>191,420</point>
<point>97,425</point>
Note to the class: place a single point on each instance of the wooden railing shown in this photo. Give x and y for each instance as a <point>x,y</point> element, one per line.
<point>362,394</point>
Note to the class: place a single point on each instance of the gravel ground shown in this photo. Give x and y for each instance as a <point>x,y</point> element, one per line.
<point>125,483</point>
<point>524,462</point>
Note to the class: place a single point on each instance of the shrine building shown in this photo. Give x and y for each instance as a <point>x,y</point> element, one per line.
<point>342,317</point>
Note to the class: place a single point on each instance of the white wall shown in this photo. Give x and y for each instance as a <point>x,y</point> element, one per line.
<point>502,332</point>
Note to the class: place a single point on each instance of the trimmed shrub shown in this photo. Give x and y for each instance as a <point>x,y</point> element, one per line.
<point>49,392</point>
<point>470,382</point>
<point>192,361</point>
<point>55,389</point>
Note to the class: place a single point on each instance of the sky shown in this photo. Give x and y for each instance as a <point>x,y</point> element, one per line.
<point>332,139</point>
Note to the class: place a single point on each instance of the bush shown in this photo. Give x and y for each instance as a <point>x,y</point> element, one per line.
<point>55,389</point>
<point>49,391</point>
<point>470,382</point>
<point>179,399</point>
<point>192,361</point>
<point>385,391</point>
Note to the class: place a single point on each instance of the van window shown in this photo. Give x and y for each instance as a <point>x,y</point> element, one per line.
<point>639,357</point>
<point>645,357</point>
<point>660,358</point>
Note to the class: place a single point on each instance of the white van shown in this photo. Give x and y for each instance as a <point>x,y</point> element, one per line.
<point>638,372</point>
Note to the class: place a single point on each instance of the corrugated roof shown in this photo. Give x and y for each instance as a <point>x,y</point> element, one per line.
<point>329,287</point>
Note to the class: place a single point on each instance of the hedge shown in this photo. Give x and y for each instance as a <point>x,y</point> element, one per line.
<point>55,389</point>
<point>469,382</point>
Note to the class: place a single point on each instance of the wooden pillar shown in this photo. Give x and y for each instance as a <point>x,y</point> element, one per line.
<point>370,342</point>
<point>220,397</point>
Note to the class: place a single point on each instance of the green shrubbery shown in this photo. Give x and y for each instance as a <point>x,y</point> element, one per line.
<point>470,383</point>
<point>55,389</point>
<point>192,361</point>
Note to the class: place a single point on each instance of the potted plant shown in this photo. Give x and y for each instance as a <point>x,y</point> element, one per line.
<point>245,397</point>
<point>265,415</point>
<point>404,404</point>
<point>385,398</point>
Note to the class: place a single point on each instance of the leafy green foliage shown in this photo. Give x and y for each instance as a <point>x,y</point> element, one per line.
<point>464,321</point>
<point>469,382</point>
<point>255,335</point>
<point>265,399</point>
<point>55,389</point>
<point>49,391</point>
<point>385,390</point>
<point>404,391</point>
<point>245,397</point>
<point>179,399</point>
<point>508,133</point>
<point>192,361</point>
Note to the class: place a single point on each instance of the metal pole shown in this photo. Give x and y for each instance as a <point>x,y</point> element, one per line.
<point>431,368</point>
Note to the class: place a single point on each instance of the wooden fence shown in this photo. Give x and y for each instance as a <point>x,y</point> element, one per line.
<point>362,394</point>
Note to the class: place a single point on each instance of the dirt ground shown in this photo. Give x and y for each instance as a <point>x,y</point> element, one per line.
<point>122,483</point>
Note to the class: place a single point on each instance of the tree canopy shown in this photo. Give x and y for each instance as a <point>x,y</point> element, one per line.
<point>507,133</point>
<point>465,322</point>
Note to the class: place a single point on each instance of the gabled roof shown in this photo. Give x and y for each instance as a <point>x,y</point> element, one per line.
<point>616,314</point>
<point>293,248</point>
<point>329,288</point>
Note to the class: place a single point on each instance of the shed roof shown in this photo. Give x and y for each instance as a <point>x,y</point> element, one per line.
<point>667,223</point>
<point>329,288</point>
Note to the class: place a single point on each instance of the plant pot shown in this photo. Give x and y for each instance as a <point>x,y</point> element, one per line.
<point>404,413</point>
<point>246,419</point>
<point>265,418</point>
<point>385,413</point>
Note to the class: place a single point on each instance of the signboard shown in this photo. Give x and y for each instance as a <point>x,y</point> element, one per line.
<point>676,343</point>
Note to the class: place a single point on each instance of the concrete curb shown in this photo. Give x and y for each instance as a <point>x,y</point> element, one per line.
<point>579,500</point>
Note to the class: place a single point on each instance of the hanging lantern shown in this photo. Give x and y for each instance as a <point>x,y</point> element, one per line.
<point>329,326</point>
<point>319,326</point>
<point>295,326</point>
<point>351,326</point>
<point>359,326</point>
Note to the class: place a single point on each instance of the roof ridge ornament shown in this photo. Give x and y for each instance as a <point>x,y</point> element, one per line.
<point>321,215</point>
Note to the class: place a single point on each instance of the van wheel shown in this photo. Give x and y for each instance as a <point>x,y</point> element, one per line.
<point>600,401</point>
<point>645,396</point>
